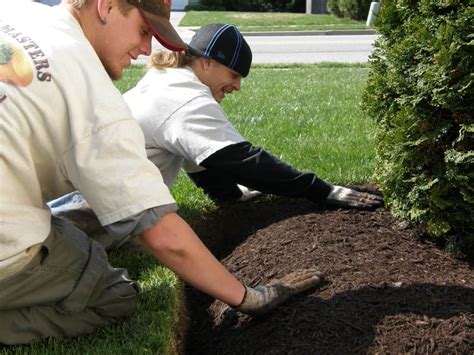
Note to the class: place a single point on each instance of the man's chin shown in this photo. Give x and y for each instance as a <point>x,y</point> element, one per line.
<point>116,73</point>
<point>220,98</point>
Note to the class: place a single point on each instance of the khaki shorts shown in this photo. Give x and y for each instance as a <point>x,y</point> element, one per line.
<point>68,289</point>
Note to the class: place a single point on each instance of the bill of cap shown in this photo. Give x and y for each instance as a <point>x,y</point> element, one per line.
<point>164,32</point>
<point>197,52</point>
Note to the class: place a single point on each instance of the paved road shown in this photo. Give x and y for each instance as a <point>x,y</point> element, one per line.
<point>295,49</point>
<point>311,49</point>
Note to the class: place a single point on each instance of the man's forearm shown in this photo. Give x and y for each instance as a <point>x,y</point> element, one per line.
<point>259,170</point>
<point>176,245</point>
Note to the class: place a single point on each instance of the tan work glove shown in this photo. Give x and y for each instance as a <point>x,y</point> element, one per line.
<point>263,299</point>
<point>348,198</point>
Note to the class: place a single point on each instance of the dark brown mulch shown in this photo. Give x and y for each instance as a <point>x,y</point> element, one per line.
<point>387,291</point>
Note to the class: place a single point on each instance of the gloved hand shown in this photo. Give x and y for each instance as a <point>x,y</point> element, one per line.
<point>247,194</point>
<point>263,299</point>
<point>344,197</point>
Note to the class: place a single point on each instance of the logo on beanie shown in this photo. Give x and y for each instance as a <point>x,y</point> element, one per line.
<point>220,55</point>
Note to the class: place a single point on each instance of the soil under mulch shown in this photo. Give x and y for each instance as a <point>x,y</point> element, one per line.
<point>387,291</point>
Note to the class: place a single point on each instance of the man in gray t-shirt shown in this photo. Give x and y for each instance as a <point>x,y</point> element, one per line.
<point>177,106</point>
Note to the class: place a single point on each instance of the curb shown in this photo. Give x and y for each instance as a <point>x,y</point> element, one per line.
<point>301,33</point>
<point>312,33</point>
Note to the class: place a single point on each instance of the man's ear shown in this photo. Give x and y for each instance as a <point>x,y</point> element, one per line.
<point>206,63</point>
<point>199,67</point>
<point>103,9</point>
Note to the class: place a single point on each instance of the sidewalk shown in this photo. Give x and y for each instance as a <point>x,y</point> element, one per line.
<point>187,32</point>
<point>293,46</point>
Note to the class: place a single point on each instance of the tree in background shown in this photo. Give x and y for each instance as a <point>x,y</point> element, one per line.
<point>353,9</point>
<point>251,5</point>
<point>420,93</point>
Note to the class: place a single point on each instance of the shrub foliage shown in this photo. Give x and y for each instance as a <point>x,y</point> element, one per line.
<point>354,9</point>
<point>251,5</point>
<point>420,92</point>
<point>333,8</point>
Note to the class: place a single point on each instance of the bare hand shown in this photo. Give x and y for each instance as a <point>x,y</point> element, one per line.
<point>348,198</point>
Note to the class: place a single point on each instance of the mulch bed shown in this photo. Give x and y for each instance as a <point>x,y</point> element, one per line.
<point>387,290</point>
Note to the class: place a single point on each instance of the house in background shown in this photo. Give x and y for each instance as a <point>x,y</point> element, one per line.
<point>177,5</point>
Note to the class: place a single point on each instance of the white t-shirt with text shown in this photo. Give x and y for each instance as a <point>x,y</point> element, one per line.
<point>63,127</point>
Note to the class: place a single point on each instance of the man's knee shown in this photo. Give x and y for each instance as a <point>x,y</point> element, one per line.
<point>102,289</point>
<point>117,298</point>
<point>113,299</point>
<point>87,294</point>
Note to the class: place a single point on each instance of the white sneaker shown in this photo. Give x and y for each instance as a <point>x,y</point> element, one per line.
<point>248,194</point>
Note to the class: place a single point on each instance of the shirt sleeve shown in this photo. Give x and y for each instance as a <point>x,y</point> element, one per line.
<point>117,179</point>
<point>75,209</point>
<point>253,167</point>
<point>138,223</point>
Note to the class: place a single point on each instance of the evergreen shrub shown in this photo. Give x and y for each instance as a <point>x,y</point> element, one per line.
<point>353,9</point>
<point>251,5</point>
<point>420,93</point>
<point>207,5</point>
<point>333,8</point>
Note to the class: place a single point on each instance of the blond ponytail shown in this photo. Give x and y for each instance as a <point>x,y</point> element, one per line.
<point>167,59</point>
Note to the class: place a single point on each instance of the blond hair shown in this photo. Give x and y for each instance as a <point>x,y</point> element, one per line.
<point>77,4</point>
<point>167,59</point>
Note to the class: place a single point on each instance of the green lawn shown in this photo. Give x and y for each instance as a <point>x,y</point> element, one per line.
<point>149,331</point>
<point>270,21</point>
<point>309,116</point>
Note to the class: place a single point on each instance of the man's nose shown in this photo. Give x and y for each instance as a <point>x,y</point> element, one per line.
<point>145,46</point>
<point>237,83</point>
